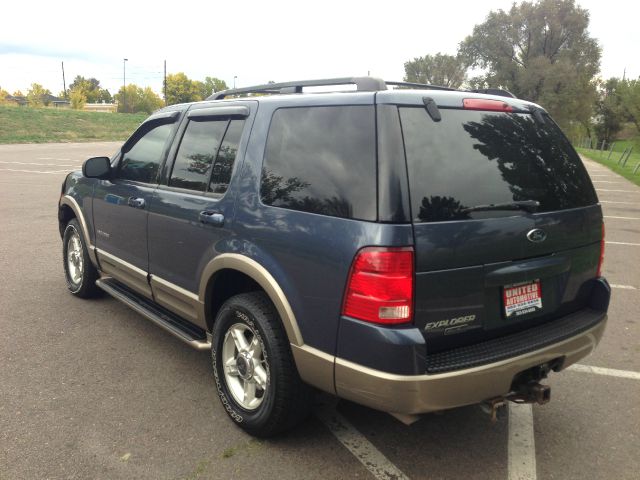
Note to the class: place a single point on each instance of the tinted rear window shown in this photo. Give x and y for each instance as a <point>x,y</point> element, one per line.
<point>322,160</point>
<point>473,158</point>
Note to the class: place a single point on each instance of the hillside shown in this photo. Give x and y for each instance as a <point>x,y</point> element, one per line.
<point>41,125</point>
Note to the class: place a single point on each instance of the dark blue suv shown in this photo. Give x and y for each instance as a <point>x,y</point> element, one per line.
<point>411,249</point>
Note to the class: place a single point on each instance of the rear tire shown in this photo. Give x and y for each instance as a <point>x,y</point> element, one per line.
<point>256,378</point>
<point>79,272</point>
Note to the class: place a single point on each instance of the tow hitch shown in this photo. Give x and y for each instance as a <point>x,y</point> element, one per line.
<point>526,388</point>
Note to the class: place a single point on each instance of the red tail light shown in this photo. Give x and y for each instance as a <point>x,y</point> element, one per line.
<point>599,272</point>
<point>486,104</point>
<point>380,286</point>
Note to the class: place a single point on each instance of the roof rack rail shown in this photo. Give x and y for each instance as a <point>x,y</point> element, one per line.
<point>425,86</point>
<point>494,91</point>
<point>363,84</point>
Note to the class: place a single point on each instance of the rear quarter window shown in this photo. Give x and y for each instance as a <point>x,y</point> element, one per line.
<point>322,160</point>
<point>473,158</point>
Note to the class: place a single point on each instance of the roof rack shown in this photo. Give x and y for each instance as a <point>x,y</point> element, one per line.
<point>363,84</point>
<point>494,91</point>
<point>425,86</point>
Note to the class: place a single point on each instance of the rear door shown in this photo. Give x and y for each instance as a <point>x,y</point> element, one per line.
<point>485,270</point>
<point>193,208</point>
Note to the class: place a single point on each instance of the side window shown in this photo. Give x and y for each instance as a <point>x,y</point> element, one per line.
<point>142,161</point>
<point>223,166</point>
<point>322,160</point>
<point>196,154</point>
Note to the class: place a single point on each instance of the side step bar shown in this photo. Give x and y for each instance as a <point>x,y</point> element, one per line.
<point>190,334</point>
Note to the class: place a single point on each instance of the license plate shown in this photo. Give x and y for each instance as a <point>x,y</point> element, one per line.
<point>522,298</point>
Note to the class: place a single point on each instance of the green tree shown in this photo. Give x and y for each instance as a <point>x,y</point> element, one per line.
<point>149,101</point>
<point>610,115</point>
<point>78,98</point>
<point>37,95</point>
<point>104,96</point>
<point>629,94</point>
<point>212,85</point>
<point>439,69</point>
<point>91,89</point>
<point>181,89</point>
<point>138,99</point>
<point>3,96</point>
<point>541,51</point>
<point>201,89</point>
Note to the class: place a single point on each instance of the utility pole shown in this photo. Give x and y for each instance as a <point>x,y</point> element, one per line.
<point>234,81</point>
<point>64,83</point>
<point>124,84</point>
<point>165,83</point>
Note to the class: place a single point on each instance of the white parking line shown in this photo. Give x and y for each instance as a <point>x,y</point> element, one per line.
<point>605,181</point>
<point>610,372</point>
<point>45,164</point>
<point>521,446</point>
<point>359,446</point>
<point>33,171</point>
<point>624,191</point>
<point>622,218</point>
<point>53,158</point>
<point>623,287</point>
<point>623,243</point>
<point>623,203</point>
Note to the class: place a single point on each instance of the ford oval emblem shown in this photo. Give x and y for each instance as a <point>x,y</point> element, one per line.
<point>537,235</point>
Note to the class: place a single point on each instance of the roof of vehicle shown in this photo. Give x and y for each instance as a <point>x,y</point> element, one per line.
<point>360,90</point>
<point>387,92</point>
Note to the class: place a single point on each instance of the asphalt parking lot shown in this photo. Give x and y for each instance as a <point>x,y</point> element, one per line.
<point>90,389</point>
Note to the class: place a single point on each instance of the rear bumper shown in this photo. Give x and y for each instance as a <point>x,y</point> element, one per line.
<point>414,394</point>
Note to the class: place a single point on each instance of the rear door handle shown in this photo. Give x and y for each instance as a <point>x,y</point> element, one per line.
<point>136,202</point>
<point>212,218</point>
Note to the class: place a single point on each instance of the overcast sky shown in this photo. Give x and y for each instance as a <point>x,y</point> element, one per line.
<point>287,40</point>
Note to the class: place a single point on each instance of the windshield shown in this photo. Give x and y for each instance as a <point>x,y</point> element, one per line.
<point>478,158</point>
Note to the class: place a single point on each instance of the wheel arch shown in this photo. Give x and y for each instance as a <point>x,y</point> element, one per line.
<point>68,209</point>
<point>251,273</point>
<point>65,215</point>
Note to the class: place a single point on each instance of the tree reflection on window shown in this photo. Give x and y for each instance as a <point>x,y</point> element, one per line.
<point>436,208</point>
<point>534,159</point>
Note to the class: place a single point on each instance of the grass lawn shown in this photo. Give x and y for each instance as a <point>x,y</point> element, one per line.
<point>40,125</point>
<point>611,162</point>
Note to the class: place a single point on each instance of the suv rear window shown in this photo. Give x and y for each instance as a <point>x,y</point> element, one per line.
<point>473,158</point>
<point>322,160</point>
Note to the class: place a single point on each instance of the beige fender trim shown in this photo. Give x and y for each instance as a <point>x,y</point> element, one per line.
<point>71,203</point>
<point>314,366</point>
<point>257,272</point>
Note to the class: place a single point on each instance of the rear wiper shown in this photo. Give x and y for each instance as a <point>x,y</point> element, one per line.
<point>527,205</point>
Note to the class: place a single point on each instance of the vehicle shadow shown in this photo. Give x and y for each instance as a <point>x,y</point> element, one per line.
<point>458,443</point>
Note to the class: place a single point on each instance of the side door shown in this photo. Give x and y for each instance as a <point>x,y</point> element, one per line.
<point>121,204</point>
<point>193,207</point>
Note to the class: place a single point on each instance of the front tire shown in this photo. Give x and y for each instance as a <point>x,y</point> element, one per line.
<point>79,272</point>
<point>256,378</point>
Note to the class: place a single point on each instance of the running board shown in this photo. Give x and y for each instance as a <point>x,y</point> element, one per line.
<point>190,334</point>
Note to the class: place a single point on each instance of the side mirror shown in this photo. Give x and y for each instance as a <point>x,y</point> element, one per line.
<point>97,167</point>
